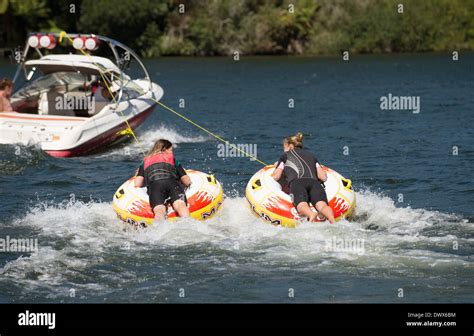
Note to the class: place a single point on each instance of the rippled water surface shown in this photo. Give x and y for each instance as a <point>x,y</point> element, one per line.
<point>423,245</point>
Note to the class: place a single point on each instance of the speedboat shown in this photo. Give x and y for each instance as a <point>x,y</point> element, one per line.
<point>74,104</point>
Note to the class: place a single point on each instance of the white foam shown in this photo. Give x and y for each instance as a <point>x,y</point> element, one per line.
<point>148,138</point>
<point>74,235</point>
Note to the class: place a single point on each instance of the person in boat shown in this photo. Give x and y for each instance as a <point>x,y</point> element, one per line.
<point>6,89</point>
<point>102,92</point>
<point>304,175</point>
<point>102,96</point>
<point>164,177</point>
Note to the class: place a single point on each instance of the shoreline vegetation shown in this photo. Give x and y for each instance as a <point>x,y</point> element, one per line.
<point>252,27</point>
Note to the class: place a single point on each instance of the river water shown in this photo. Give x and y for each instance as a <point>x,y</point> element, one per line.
<point>414,215</point>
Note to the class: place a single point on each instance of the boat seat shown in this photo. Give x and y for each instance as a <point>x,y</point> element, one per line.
<point>100,102</point>
<point>48,104</point>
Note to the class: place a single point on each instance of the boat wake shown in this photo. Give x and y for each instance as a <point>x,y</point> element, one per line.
<point>148,137</point>
<point>82,245</point>
<point>14,159</point>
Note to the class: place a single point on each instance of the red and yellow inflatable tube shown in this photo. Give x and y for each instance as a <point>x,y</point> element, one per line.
<point>268,201</point>
<point>205,197</point>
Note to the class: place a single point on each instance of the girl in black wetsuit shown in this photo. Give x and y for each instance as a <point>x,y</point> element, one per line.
<point>303,172</point>
<point>161,173</point>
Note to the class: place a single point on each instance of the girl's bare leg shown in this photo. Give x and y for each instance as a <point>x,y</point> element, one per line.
<point>160,212</point>
<point>304,209</point>
<point>181,209</point>
<point>326,211</point>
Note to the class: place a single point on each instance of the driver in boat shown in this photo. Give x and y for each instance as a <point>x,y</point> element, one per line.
<point>161,173</point>
<point>102,95</point>
<point>6,88</point>
<point>101,91</point>
<point>304,173</point>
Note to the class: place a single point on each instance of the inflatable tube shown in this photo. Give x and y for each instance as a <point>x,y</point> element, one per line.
<point>268,201</point>
<point>204,200</point>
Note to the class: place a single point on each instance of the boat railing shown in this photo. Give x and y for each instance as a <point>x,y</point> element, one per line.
<point>111,43</point>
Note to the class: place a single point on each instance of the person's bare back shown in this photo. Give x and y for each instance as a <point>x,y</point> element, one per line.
<point>6,88</point>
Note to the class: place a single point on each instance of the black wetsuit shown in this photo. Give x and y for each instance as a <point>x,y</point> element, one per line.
<point>300,169</point>
<point>164,187</point>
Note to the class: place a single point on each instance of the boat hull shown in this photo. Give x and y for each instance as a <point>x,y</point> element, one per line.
<point>104,139</point>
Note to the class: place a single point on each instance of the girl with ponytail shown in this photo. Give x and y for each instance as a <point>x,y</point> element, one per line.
<point>303,173</point>
<point>164,178</point>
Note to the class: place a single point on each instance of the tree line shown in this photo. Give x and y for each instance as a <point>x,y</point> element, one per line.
<point>252,27</point>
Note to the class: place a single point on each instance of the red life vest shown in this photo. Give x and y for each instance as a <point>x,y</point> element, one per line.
<point>159,166</point>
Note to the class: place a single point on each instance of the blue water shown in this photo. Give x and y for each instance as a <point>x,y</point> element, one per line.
<point>422,245</point>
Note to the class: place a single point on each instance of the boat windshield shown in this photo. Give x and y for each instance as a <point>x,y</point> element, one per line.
<point>59,81</point>
<point>131,90</point>
<point>73,94</point>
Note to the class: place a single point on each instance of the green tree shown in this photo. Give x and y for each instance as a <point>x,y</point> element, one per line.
<point>124,20</point>
<point>219,27</point>
<point>18,16</point>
